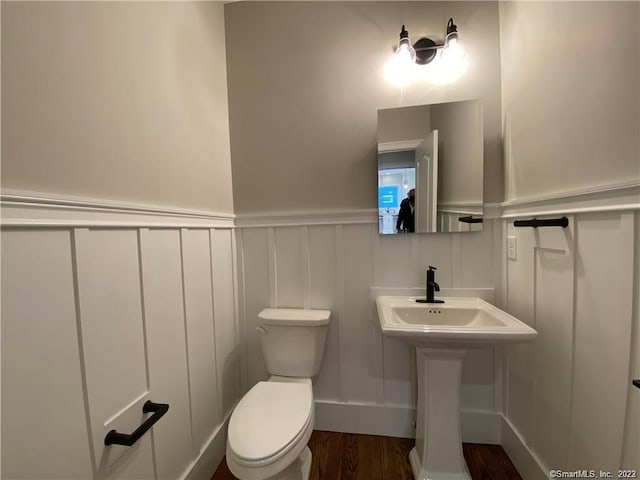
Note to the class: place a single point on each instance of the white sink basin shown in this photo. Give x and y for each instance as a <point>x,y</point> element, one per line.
<point>458,322</point>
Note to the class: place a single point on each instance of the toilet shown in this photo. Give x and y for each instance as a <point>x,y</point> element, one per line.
<point>271,425</point>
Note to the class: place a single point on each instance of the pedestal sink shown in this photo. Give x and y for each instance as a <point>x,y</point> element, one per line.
<point>441,334</point>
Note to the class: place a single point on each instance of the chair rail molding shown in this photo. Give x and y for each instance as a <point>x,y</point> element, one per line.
<point>625,196</point>
<point>291,219</point>
<point>601,198</point>
<point>21,208</point>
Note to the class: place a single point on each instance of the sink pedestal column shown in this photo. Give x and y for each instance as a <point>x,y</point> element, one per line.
<point>438,451</point>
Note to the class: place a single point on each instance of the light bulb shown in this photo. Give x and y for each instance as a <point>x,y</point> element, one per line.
<point>453,52</point>
<point>406,52</point>
<point>450,64</point>
<point>400,70</point>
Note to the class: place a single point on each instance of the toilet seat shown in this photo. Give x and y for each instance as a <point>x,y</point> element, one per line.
<point>270,421</point>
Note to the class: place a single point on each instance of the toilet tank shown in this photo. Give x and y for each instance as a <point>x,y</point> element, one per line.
<point>293,340</point>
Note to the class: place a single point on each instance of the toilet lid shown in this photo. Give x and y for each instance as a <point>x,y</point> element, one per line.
<point>268,418</point>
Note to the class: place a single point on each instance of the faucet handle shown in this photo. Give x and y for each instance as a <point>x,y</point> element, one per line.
<point>432,268</point>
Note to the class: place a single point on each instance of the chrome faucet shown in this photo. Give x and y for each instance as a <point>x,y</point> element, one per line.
<point>432,287</point>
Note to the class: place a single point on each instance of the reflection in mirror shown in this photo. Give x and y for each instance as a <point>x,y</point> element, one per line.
<point>430,166</point>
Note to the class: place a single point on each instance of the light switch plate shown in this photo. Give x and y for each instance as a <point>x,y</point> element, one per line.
<point>512,248</point>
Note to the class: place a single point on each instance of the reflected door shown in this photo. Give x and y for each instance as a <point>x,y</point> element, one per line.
<point>427,183</point>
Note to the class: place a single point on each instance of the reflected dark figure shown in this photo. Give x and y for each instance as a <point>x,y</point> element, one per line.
<point>405,221</point>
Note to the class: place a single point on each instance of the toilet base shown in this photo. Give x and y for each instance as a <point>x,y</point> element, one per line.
<point>300,469</point>
<point>305,458</point>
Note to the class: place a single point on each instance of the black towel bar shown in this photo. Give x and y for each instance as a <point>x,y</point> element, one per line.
<point>636,383</point>
<point>549,222</point>
<point>128,439</point>
<point>470,219</point>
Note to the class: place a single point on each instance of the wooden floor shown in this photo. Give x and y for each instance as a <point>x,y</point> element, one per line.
<point>346,456</point>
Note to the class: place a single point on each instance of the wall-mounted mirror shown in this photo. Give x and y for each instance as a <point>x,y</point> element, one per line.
<point>430,165</point>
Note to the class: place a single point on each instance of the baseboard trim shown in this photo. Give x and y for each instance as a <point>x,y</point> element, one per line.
<point>34,209</point>
<point>205,465</point>
<point>368,419</point>
<point>525,461</point>
<point>478,426</point>
<point>397,421</point>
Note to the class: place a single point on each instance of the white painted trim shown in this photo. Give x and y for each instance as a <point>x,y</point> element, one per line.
<point>460,209</point>
<point>364,418</point>
<point>598,199</point>
<point>33,209</point>
<point>211,455</point>
<point>492,211</point>
<point>399,146</point>
<point>397,421</point>
<point>461,205</point>
<point>526,462</point>
<point>290,219</point>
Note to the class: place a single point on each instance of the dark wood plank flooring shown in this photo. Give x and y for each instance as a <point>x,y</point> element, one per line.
<point>346,456</point>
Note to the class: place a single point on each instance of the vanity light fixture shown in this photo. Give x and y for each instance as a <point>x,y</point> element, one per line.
<point>425,49</point>
<point>450,63</point>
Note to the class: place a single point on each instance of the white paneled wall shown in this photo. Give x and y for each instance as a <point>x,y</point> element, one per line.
<point>42,377</point>
<point>113,338</point>
<point>97,320</point>
<point>100,316</point>
<point>163,302</point>
<point>333,266</point>
<point>569,393</point>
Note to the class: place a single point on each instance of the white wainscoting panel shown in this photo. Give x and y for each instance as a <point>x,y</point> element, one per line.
<point>553,319</point>
<point>393,259</point>
<point>631,446</point>
<point>114,347</point>
<point>567,392</point>
<point>227,342</point>
<point>44,429</point>
<point>602,340</point>
<point>167,349</point>
<point>196,264</point>
<point>324,294</point>
<point>361,377</point>
<point>255,280</point>
<point>104,307</point>
<point>434,249</point>
<point>289,263</point>
<point>333,267</point>
<point>540,284</point>
<point>474,262</point>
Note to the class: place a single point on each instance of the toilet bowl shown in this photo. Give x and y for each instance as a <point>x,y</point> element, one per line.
<point>270,427</point>
<point>269,431</point>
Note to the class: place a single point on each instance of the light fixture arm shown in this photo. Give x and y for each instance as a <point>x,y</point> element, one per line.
<point>425,48</point>
<point>435,46</point>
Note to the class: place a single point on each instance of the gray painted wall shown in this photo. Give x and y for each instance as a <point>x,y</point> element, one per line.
<point>117,100</point>
<point>570,95</point>
<point>306,81</point>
